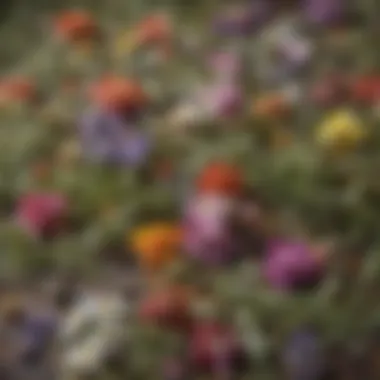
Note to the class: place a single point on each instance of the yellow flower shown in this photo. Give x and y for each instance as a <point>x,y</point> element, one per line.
<point>341,130</point>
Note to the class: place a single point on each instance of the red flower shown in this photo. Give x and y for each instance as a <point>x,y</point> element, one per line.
<point>42,214</point>
<point>17,89</point>
<point>366,89</point>
<point>155,29</point>
<point>221,178</point>
<point>118,94</point>
<point>169,308</point>
<point>73,26</point>
<point>214,348</point>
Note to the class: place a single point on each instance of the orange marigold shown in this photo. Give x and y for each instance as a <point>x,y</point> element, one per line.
<point>157,244</point>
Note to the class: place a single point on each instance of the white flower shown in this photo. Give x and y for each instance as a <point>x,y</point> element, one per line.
<point>92,329</point>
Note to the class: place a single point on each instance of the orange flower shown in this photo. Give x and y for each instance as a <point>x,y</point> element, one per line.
<point>220,178</point>
<point>155,29</point>
<point>74,26</point>
<point>272,106</point>
<point>118,94</point>
<point>17,89</point>
<point>157,244</point>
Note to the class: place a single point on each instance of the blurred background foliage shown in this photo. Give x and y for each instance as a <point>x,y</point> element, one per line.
<point>338,197</point>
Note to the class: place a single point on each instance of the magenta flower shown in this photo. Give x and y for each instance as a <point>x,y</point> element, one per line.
<point>42,213</point>
<point>291,265</point>
<point>208,236</point>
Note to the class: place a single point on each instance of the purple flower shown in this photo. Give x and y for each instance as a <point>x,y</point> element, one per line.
<point>296,52</point>
<point>303,356</point>
<point>208,236</point>
<point>323,12</point>
<point>242,19</point>
<point>291,265</point>
<point>37,334</point>
<point>107,138</point>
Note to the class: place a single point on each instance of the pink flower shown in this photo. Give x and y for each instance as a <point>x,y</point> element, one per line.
<point>221,99</point>
<point>291,265</point>
<point>208,236</point>
<point>42,213</point>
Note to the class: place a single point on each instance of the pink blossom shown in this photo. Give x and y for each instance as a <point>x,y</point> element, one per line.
<point>41,213</point>
<point>221,99</point>
<point>208,236</point>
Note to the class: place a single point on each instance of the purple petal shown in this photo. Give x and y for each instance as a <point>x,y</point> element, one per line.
<point>109,139</point>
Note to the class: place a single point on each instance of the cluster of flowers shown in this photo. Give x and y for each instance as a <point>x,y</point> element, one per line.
<point>224,221</point>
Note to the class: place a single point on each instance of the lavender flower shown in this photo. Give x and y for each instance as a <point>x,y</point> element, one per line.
<point>284,52</point>
<point>303,356</point>
<point>291,265</point>
<point>37,333</point>
<point>107,138</point>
